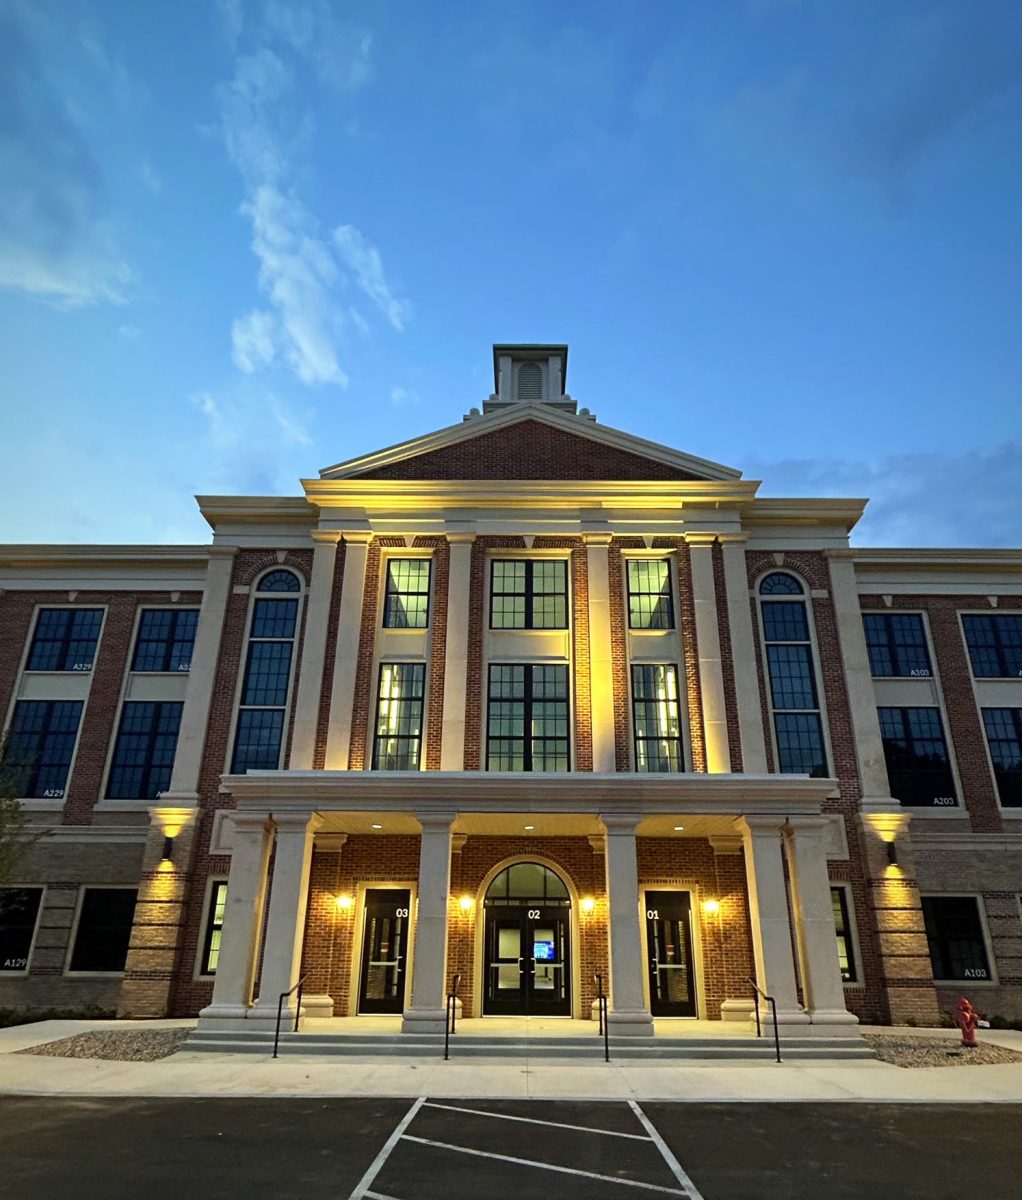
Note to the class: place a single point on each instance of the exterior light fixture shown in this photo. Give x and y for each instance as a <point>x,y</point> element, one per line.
<point>711,907</point>
<point>343,902</point>
<point>375,825</point>
<point>892,853</point>
<point>588,904</point>
<point>678,828</point>
<point>529,828</point>
<point>168,849</point>
<point>465,903</point>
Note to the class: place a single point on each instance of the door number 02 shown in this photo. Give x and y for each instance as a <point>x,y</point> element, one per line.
<point>533,914</point>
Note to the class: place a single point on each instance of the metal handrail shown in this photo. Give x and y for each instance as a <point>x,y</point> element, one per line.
<point>601,1008</point>
<point>451,1016</point>
<point>773,1011</point>
<point>280,1011</point>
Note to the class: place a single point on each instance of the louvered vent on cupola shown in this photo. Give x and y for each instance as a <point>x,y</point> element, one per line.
<point>530,382</point>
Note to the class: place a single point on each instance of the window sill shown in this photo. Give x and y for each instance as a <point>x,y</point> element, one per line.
<point>94,974</point>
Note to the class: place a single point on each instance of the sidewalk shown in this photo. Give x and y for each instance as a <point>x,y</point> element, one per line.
<point>227,1075</point>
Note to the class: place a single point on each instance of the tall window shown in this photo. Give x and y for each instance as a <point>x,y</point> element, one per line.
<point>527,718</point>
<point>40,744</point>
<point>955,934</point>
<point>656,717</point>
<point>214,928</point>
<point>649,594</point>
<point>65,639</point>
<point>144,751</point>
<point>406,602</point>
<point>529,594</point>
<point>19,914</point>
<point>897,644</point>
<point>104,929</point>
<point>264,690</point>
<point>918,765</point>
<point>843,929</point>
<point>166,639</point>
<point>398,742</point>
<point>1004,737</point>
<point>995,645</point>
<point>789,654</point>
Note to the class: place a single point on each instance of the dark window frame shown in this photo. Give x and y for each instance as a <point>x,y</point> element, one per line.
<point>528,700</point>
<point>211,927</point>
<point>909,783</point>
<point>1009,790</point>
<point>155,776</point>
<point>530,595</point>
<point>393,594</point>
<point>75,942</point>
<point>171,643</point>
<point>897,652</point>
<point>678,740</point>
<point>413,740</point>
<point>65,641</point>
<point>25,774</point>
<point>996,645</point>
<point>10,930</point>
<point>843,932</point>
<point>635,594</point>
<point>939,940</point>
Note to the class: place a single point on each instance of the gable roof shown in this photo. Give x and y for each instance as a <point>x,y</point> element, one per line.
<point>530,441</point>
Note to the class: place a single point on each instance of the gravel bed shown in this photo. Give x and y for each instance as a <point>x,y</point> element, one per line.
<point>938,1052</point>
<point>143,1045</point>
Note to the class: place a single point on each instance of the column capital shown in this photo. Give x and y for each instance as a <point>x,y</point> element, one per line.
<point>620,823</point>
<point>810,826</point>
<point>330,843</point>
<point>598,539</point>
<point>357,537</point>
<point>296,822</point>
<point>325,537</point>
<point>459,538</point>
<point>436,822</point>
<point>598,843</point>
<point>760,824</point>
<point>725,843</point>
<point>840,552</point>
<point>220,551</point>
<point>700,538</point>
<point>249,822</point>
<point>737,538</point>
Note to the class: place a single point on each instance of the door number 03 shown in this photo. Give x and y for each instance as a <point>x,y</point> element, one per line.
<point>401,912</point>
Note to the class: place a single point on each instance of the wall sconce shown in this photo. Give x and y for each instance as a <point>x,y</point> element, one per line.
<point>168,849</point>
<point>892,853</point>
<point>711,907</point>
<point>343,902</point>
<point>466,903</point>
<point>588,904</point>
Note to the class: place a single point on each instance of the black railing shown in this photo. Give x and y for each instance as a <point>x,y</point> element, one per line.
<point>451,1021</point>
<point>601,1008</point>
<point>280,1011</point>
<point>773,1012</point>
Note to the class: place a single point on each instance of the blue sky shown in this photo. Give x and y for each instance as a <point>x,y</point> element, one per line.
<point>243,241</point>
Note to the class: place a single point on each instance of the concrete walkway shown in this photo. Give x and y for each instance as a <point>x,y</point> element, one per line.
<point>187,1074</point>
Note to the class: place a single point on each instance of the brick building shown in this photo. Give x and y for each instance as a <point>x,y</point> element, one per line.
<point>529,700</point>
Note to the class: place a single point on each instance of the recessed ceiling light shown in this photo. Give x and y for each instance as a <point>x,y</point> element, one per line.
<point>678,828</point>
<point>529,828</point>
<point>375,826</point>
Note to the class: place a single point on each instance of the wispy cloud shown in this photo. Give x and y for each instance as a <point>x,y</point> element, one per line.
<point>236,422</point>
<point>303,271</point>
<point>404,397</point>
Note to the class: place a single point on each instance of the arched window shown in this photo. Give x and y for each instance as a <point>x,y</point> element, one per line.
<point>527,883</point>
<point>794,695</point>
<point>268,668</point>
<point>530,381</point>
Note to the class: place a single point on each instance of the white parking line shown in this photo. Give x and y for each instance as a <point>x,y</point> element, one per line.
<point>677,1170</point>
<point>377,1196</point>
<point>542,1166</point>
<point>362,1187</point>
<point>479,1112</point>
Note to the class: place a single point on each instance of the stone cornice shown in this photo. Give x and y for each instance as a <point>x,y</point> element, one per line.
<point>56,555</point>
<point>945,560</point>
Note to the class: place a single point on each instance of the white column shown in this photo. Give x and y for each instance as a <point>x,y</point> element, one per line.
<point>768,916</point>
<point>285,920</point>
<point>814,923</point>
<point>711,674</point>
<point>317,626</point>
<point>601,675</point>
<point>191,740</point>
<point>429,974</point>
<point>349,632</point>
<point>743,654</point>
<point>869,748</point>
<point>239,941</point>
<point>452,747</point>
<point>629,1013</point>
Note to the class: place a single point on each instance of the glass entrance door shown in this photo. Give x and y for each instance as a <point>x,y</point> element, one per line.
<point>528,961</point>
<point>669,948</point>
<point>384,950</point>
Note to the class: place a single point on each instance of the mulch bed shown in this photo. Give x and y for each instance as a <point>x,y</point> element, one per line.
<point>938,1052</point>
<point>143,1045</point>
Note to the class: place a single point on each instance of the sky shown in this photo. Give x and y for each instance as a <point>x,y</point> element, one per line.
<point>242,241</point>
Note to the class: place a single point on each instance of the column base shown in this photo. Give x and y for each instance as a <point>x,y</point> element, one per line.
<point>636,1023</point>
<point>317,1005</point>
<point>792,1019</point>
<point>222,1016</point>
<point>835,1022</point>
<point>423,1020</point>
<point>737,1010</point>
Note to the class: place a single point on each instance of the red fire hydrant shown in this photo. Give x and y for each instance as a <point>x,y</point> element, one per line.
<point>966,1018</point>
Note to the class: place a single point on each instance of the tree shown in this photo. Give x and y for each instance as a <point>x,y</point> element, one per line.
<point>15,837</point>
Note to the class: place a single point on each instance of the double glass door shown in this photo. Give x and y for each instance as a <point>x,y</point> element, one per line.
<point>528,962</point>
<point>669,947</point>
<point>384,950</point>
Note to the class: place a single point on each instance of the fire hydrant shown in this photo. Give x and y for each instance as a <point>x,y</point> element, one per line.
<point>967,1019</point>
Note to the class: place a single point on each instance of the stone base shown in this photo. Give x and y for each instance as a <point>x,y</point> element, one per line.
<point>423,1020</point>
<point>594,1011</point>
<point>317,1005</point>
<point>210,1018</point>
<point>737,1010</point>
<point>835,1023</point>
<point>636,1023</point>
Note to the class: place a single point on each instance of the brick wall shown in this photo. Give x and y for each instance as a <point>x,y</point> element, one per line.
<point>434,731</point>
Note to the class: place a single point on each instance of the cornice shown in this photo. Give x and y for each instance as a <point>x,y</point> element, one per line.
<point>943,559</point>
<point>57,555</point>
<point>772,510</point>
<point>256,510</point>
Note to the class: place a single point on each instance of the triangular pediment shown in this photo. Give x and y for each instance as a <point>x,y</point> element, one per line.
<point>530,442</point>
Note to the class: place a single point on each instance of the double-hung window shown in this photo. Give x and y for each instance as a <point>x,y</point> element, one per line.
<point>397,745</point>
<point>144,751</point>
<point>995,645</point>
<point>166,639</point>
<point>65,639</point>
<point>40,744</point>
<point>264,691</point>
<point>897,645</point>
<point>955,934</point>
<point>650,605</point>
<point>528,593</point>
<point>214,927</point>
<point>918,764</point>
<point>843,930</point>
<point>527,718</point>
<point>406,597</point>
<point>656,717</point>
<point>1004,737</point>
<point>798,725</point>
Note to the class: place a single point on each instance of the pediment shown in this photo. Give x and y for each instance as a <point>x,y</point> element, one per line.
<point>530,443</point>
